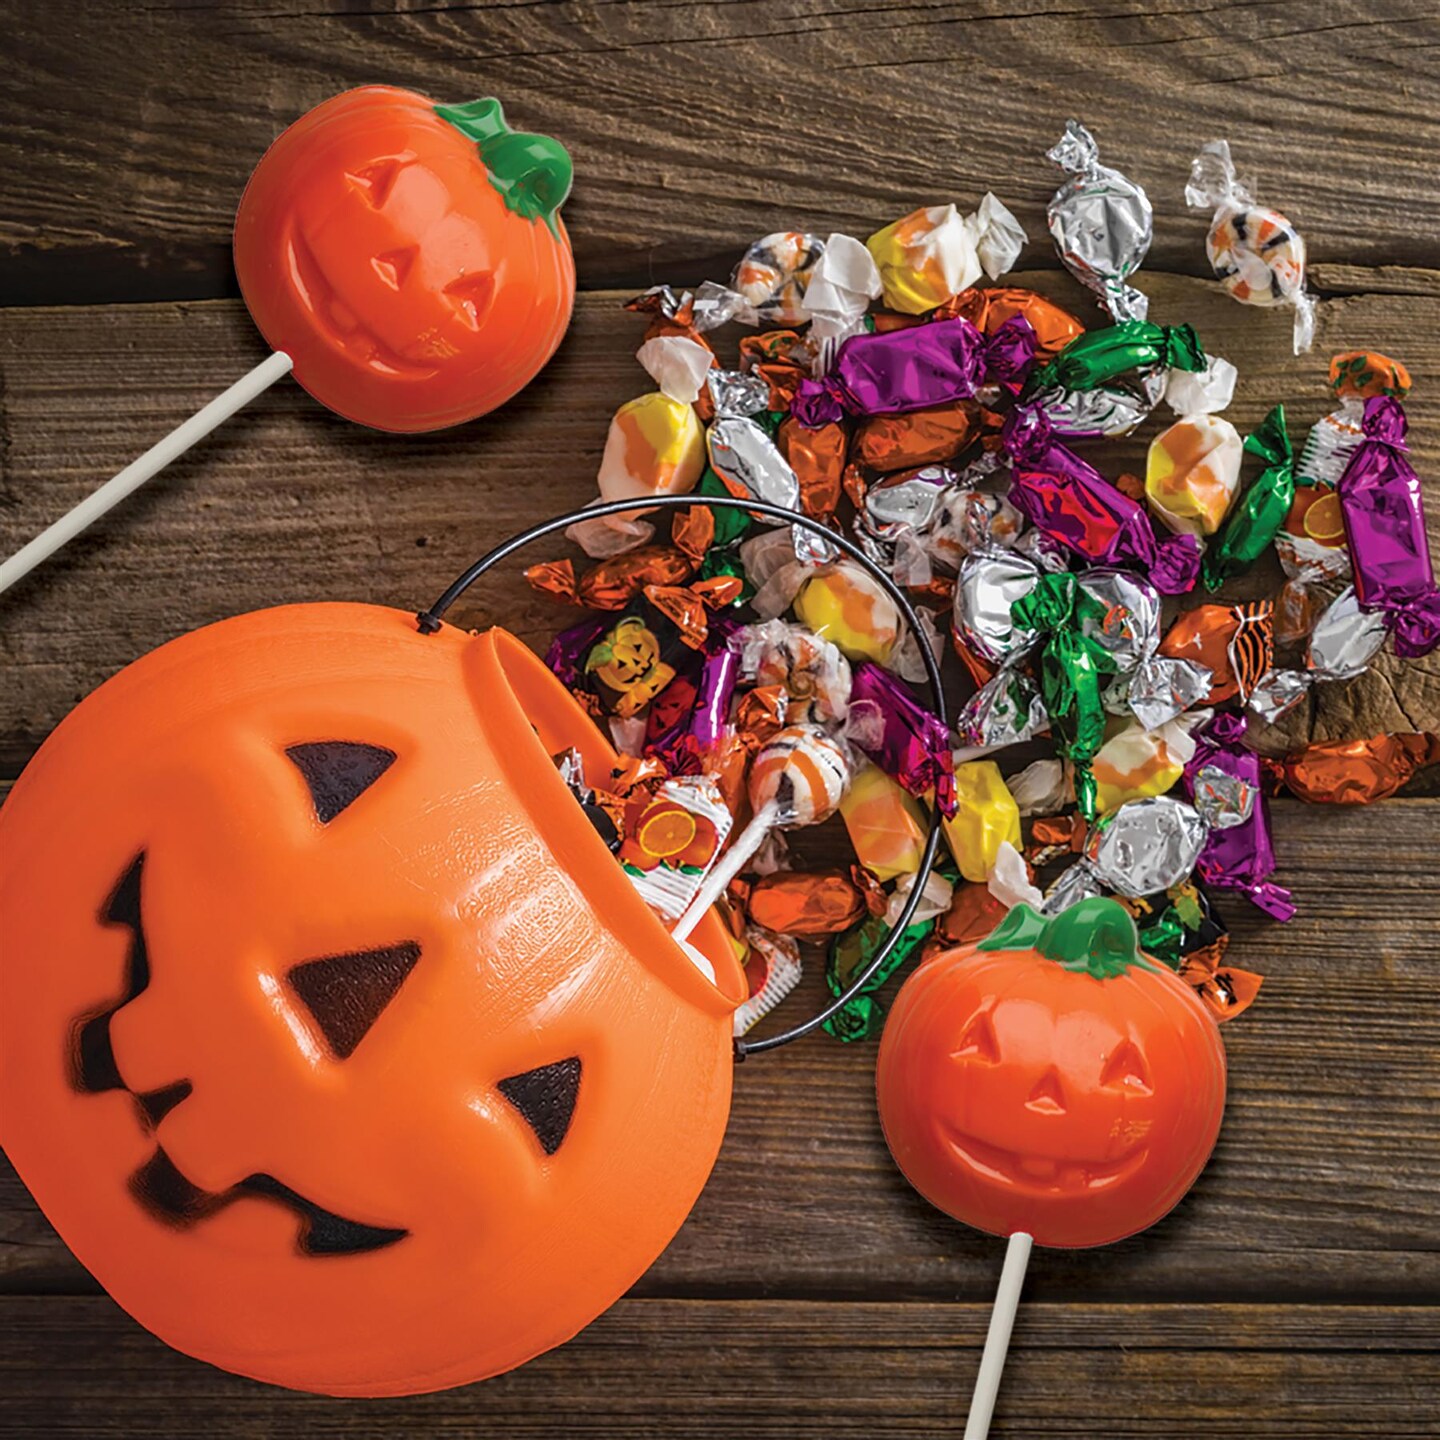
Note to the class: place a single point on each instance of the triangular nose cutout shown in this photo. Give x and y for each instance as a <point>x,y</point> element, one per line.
<point>338,772</point>
<point>545,1097</point>
<point>1047,1098</point>
<point>347,993</point>
<point>394,265</point>
<point>471,296</point>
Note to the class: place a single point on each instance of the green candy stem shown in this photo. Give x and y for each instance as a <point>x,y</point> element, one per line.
<point>1093,937</point>
<point>532,172</point>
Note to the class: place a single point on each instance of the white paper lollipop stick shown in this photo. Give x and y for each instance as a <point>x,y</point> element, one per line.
<point>137,472</point>
<point>749,840</point>
<point>997,1341</point>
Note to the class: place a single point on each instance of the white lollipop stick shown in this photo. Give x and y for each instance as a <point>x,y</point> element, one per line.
<point>997,1341</point>
<point>137,472</point>
<point>749,840</point>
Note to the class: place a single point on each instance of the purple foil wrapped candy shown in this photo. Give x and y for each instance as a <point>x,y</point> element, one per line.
<point>567,652</point>
<point>685,740</point>
<point>900,735</point>
<point>1384,513</point>
<point>1068,499</point>
<point>915,368</point>
<point>1241,856</point>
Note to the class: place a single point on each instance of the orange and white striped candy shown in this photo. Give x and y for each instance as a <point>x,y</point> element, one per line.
<point>801,774</point>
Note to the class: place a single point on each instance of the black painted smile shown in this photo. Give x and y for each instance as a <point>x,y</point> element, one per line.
<point>158,1184</point>
<point>344,996</point>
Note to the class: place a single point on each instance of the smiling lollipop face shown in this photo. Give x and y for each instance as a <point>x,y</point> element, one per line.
<point>409,257</point>
<point>1051,1080</point>
<point>332,1041</point>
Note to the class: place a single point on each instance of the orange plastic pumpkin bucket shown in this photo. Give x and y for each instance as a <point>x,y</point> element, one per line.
<point>332,1040</point>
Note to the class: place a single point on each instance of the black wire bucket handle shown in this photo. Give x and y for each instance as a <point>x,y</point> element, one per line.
<point>429,621</point>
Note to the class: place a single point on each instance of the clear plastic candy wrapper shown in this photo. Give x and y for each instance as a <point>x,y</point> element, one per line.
<point>1257,254</point>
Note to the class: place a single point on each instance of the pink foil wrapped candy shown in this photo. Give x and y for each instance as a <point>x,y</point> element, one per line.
<point>1384,514</point>
<point>1236,856</point>
<point>915,368</point>
<point>1068,499</point>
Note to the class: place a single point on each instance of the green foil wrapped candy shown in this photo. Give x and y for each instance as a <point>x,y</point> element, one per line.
<point>1256,517</point>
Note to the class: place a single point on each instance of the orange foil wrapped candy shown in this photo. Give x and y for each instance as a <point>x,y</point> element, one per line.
<point>921,437</point>
<point>974,912</point>
<point>1356,772</point>
<point>781,359</point>
<point>1235,641</point>
<point>1224,990</point>
<point>818,459</point>
<point>988,310</point>
<point>613,584</point>
<point>808,903</point>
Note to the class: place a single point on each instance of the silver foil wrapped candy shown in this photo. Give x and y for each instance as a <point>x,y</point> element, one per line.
<point>1101,222</point>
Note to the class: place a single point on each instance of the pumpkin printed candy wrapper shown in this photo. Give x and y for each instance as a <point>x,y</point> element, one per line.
<point>937,432</point>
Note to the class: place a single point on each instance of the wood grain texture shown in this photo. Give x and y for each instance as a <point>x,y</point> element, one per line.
<point>127,128</point>
<point>288,502</point>
<point>811,1291</point>
<point>79,1368</point>
<point>1325,1184</point>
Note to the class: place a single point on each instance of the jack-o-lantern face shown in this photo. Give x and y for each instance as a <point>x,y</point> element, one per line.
<point>331,1038</point>
<point>408,257</point>
<point>1051,1080</point>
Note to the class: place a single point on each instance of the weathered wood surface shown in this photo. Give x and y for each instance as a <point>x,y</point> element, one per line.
<point>79,1368</point>
<point>288,502</point>
<point>810,1291</point>
<point>128,128</point>
<point>1325,1185</point>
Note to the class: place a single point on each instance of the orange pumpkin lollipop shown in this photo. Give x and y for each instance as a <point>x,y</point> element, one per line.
<point>406,259</point>
<point>1050,1082</point>
<point>409,257</point>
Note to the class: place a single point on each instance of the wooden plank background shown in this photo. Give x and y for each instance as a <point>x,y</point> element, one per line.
<point>1294,1293</point>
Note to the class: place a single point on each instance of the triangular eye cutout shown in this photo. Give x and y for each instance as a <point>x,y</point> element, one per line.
<point>338,772</point>
<point>979,1042</point>
<point>376,181</point>
<point>546,1099</point>
<point>471,296</point>
<point>1126,1070</point>
<point>1047,1097</point>
<point>346,993</point>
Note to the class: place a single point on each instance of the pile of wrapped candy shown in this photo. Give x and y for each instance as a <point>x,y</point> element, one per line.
<point>751,673</point>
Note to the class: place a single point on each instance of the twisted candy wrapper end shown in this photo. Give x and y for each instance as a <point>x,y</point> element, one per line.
<point>1382,506</point>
